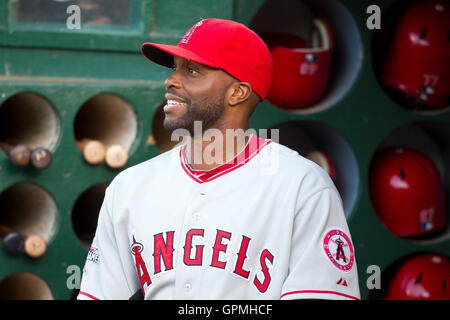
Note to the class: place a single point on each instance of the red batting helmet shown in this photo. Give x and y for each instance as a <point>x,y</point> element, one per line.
<point>422,277</point>
<point>301,70</point>
<point>417,66</point>
<point>407,192</point>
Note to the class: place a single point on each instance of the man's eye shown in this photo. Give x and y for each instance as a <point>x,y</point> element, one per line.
<point>192,70</point>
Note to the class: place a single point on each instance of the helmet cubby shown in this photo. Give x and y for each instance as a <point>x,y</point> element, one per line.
<point>30,121</point>
<point>24,286</point>
<point>421,275</point>
<point>85,211</point>
<point>317,52</point>
<point>414,33</point>
<point>408,182</point>
<point>29,209</point>
<point>111,121</point>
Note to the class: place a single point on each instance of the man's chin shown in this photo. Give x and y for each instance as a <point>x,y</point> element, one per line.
<point>174,124</point>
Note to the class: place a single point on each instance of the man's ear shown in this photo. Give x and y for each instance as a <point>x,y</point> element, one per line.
<point>239,92</point>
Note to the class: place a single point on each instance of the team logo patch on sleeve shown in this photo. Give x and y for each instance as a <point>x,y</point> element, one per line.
<point>339,249</point>
<point>93,255</point>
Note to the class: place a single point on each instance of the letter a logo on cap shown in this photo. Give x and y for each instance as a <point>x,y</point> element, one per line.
<point>188,34</point>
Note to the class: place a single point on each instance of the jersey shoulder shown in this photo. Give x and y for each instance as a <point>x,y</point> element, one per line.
<point>293,166</point>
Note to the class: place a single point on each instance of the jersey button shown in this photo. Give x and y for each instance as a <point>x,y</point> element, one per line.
<point>196,215</point>
<point>187,287</point>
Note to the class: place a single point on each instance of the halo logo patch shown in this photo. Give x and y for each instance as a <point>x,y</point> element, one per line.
<point>188,34</point>
<point>339,249</point>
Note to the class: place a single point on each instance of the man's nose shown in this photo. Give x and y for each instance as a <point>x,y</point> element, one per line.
<point>172,81</point>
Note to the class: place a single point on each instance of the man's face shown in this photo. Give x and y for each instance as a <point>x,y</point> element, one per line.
<point>195,92</point>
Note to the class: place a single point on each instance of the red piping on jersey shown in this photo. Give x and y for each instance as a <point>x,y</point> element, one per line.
<point>320,291</point>
<point>88,295</point>
<point>254,145</point>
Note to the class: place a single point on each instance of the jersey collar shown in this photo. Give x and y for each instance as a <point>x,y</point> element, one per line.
<point>251,149</point>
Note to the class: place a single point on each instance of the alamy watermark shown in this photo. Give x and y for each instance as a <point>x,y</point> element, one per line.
<point>74,279</point>
<point>225,147</point>
<point>73,21</point>
<point>374,279</point>
<point>374,20</point>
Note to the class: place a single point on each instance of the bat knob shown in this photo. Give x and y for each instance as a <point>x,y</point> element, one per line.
<point>41,158</point>
<point>13,243</point>
<point>35,246</point>
<point>94,152</point>
<point>116,156</point>
<point>20,155</point>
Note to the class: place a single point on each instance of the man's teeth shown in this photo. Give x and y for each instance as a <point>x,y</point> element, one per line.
<point>176,102</point>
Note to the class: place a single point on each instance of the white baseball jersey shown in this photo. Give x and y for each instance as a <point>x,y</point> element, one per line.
<point>269,224</point>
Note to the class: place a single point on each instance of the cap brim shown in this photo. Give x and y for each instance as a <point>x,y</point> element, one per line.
<point>163,54</point>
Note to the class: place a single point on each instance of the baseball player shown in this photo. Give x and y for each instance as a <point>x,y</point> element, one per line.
<point>174,227</point>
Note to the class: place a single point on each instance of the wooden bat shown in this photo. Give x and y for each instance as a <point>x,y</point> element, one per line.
<point>14,243</point>
<point>35,246</point>
<point>19,155</point>
<point>116,156</point>
<point>94,151</point>
<point>41,158</point>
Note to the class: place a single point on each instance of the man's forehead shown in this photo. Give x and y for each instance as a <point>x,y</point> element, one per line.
<point>179,60</point>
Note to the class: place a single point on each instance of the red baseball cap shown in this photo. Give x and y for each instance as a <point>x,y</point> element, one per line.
<point>222,44</point>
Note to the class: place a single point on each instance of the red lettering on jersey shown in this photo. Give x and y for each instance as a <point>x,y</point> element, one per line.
<point>197,261</point>
<point>265,284</point>
<point>144,277</point>
<point>242,255</point>
<point>164,250</point>
<point>219,247</point>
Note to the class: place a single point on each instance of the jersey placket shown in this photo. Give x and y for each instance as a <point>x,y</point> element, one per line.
<point>193,243</point>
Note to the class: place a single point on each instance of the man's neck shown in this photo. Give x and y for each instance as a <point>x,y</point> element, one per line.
<point>210,151</point>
